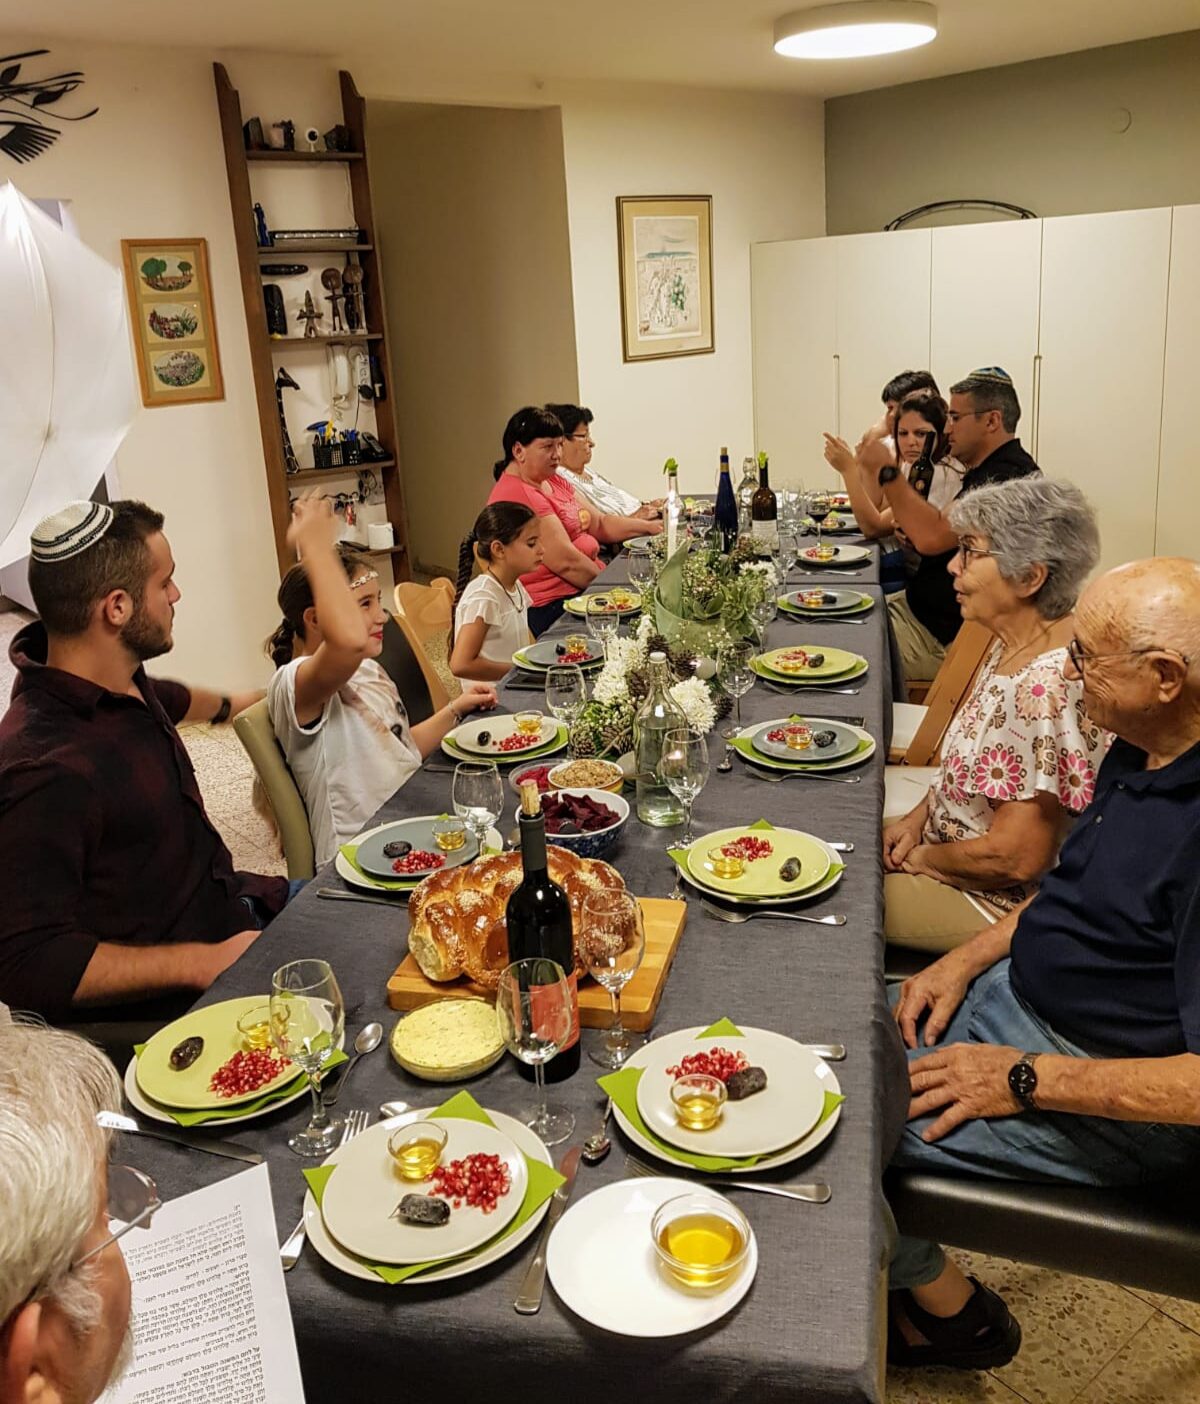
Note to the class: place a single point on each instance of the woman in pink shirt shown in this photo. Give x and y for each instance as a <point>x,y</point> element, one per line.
<point>528,474</point>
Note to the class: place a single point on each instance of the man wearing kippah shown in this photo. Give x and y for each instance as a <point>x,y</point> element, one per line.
<point>981,427</point>
<point>118,890</point>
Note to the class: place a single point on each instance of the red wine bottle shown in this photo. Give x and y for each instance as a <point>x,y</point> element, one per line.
<point>538,917</point>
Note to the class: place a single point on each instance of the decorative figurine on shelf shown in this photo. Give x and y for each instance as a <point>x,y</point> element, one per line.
<point>282,270</point>
<point>332,280</point>
<point>283,382</point>
<point>309,315</point>
<point>276,315</point>
<point>287,135</point>
<point>337,138</point>
<point>352,281</point>
<point>312,136</point>
<point>262,233</point>
<point>252,134</point>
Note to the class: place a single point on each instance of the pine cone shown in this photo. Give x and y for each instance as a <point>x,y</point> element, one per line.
<point>617,740</point>
<point>683,663</point>
<point>722,702</point>
<point>657,643</point>
<point>583,743</point>
<point>637,682</point>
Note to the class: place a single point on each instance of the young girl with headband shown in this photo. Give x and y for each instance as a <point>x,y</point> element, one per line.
<point>336,713</point>
<point>491,614</point>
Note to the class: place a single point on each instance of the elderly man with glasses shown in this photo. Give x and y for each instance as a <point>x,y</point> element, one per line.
<point>64,1290</point>
<point>1063,1043</point>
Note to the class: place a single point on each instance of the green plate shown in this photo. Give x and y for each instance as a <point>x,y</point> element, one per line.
<point>838,663</point>
<point>217,1026</point>
<point>578,604</point>
<point>761,878</point>
<point>800,683</point>
<point>456,752</point>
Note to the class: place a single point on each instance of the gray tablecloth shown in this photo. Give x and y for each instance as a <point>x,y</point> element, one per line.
<point>811,1327</point>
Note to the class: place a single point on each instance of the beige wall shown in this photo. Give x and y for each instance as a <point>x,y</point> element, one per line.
<point>472,215</point>
<point>1047,135</point>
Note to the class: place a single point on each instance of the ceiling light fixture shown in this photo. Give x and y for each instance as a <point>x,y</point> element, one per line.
<point>855,29</point>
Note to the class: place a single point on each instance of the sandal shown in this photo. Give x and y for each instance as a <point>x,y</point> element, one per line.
<point>982,1336</point>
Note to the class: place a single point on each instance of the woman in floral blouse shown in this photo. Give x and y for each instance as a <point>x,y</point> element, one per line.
<point>1019,759</point>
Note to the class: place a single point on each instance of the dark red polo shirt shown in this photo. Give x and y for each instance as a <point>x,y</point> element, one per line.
<point>103,833</point>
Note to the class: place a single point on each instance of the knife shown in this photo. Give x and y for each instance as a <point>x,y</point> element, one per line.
<point>529,1298</point>
<point>115,1121</point>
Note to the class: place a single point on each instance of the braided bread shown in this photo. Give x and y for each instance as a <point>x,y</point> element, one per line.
<point>457,915</point>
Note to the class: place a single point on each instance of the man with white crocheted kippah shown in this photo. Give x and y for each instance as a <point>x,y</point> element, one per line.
<point>118,890</point>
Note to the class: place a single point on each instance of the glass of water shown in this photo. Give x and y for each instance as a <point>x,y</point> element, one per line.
<point>566,692</point>
<point>477,793</point>
<point>683,768</point>
<point>735,676</point>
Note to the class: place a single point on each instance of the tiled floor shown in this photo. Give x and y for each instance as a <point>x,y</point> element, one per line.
<point>1085,1342</point>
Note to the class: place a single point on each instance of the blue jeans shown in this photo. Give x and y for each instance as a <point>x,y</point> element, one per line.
<point>1045,1146</point>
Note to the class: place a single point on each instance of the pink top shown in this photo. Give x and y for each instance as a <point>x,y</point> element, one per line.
<point>555,498</point>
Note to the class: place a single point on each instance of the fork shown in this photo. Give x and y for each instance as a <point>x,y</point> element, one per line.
<point>810,1194</point>
<point>806,774</point>
<point>293,1244</point>
<point>737,918</point>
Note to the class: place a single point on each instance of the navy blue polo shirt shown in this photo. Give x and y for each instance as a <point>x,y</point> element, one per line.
<point>1108,953</point>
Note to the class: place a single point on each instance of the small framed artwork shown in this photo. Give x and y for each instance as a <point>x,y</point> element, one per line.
<point>665,244</point>
<point>170,304</point>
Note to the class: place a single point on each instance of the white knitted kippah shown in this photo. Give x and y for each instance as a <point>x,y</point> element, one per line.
<point>70,530</point>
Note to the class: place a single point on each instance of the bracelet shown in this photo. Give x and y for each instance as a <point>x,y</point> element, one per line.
<point>222,712</point>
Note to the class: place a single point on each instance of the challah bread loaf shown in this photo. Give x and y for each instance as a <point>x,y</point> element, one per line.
<point>457,915</point>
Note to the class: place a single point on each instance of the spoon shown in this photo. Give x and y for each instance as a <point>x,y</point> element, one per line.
<point>597,1146</point>
<point>726,764</point>
<point>366,1042</point>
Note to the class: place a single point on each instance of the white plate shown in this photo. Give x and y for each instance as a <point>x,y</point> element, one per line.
<point>153,1112</point>
<point>336,1256</point>
<point>359,1199</point>
<point>786,1109</point>
<point>843,555</point>
<point>602,1264</point>
<point>768,764</point>
<point>499,728</point>
<point>786,1156</point>
<point>341,866</point>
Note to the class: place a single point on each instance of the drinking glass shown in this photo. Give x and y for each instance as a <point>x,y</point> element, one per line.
<point>307,1020</point>
<point>612,942</point>
<point>602,624</point>
<point>533,1011</point>
<point>477,794</point>
<point>641,568</point>
<point>683,768</point>
<point>566,692</point>
<point>789,554</point>
<point>735,676</point>
<point>764,611</point>
<point>818,504</point>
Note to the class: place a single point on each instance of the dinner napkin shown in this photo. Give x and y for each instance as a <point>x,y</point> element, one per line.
<point>680,857</point>
<point>199,1118</point>
<point>622,1087</point>
<point>543,1181</point>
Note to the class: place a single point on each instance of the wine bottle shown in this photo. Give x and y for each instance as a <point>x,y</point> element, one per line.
<point>672,511</point>
<point>745,493</point>
<point>920,475</point>
<point>725,514</point>
<point>538,917</point>
<point>764,510</point>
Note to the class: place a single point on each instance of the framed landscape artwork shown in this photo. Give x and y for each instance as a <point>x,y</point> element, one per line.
<point>665,244</point>
<point>170,303</point>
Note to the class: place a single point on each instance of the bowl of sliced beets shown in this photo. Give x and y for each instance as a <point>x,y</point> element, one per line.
<point>540,773</point>
<point>585,821</point>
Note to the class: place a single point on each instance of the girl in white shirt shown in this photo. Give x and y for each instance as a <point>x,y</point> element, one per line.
<point>491,614</point>
<point>336,713</point>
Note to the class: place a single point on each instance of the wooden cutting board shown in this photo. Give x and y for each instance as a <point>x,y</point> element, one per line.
<point>664,921</point>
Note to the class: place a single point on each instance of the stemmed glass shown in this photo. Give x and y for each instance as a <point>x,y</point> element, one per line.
<point>602,624</point>
<point>789,554</point>
<point>683,768</point>
<point>765,610</point>
<point>735,676</point>
<point>612,942</point>
<point>477,794</point>
<point>566,692</point>
<point>533,1011</point>
<point>307,1020</point>
<point>641,568</point>
<point>818,504</point>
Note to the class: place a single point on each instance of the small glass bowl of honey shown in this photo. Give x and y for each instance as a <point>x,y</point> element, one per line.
<point>417,1148</point>
<point>701,1239</point>
<point>813,598</point>
<point>449,833</point>
<point>798,736</point>
<point>826,551</point>
<point>577,643</point>
<point>529,723</point>
<point>699,1100</point>
<point>255,1028</point>
<point>726,865</point>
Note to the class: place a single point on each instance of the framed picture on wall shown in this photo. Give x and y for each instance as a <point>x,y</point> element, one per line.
<point>665,244</point>
<point>170,304</point>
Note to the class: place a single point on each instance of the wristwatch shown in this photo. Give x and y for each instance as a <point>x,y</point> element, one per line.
<point>1022,1080</point>
<point>888,474</point>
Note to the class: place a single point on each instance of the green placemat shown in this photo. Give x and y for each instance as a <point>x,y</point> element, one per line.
<point>744,745</point>
<point>198,1118</point>
<point>622,1088</point>
<point>543,1181</point>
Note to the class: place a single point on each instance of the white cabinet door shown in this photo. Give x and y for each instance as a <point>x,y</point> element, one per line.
<point>792,295</point>
<point>882,318</point>
<point>1178,529</point>
<point>1103,323</point>
<point>985,285</point>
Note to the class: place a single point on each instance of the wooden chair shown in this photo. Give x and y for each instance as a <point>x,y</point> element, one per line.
<point>254,731</point>
<point>425,613</point>
<point>954,680</point>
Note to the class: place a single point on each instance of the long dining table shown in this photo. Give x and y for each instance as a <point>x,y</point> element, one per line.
<point>812,1326</point>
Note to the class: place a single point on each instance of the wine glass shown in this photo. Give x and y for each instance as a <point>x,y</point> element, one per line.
<point>477,794</point>
<point>789,554</point>
<point>566,692</point>
<point>765,611</point>
<point>683,768</point>
<point>533,1011</point>
<point>641,568</point>
<point>612,942</point>
<point>307,1021</point>
<point>602,624</point>
<point>735,676</point>
<point>818,504</point>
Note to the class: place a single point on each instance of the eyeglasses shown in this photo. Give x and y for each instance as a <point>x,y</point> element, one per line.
<point>132,1201</point>
<point>1079,655</point>
<point>965,552</point>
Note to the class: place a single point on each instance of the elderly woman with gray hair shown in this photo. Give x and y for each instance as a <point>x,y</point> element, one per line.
<point>1020,756</point>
